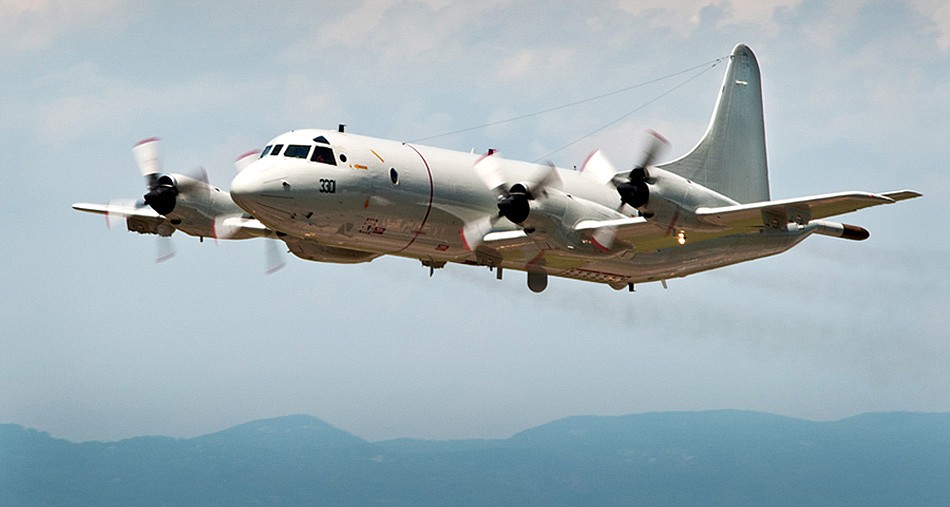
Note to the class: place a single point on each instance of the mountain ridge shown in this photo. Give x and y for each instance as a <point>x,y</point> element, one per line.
<point>725,457</point>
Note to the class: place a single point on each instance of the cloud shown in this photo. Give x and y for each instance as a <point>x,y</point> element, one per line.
<point>97,102</point>
<point>685,15</point>
<point>531,62</point>
<point>938,12</point>
<point>401,30</point>
<point>36,24</point>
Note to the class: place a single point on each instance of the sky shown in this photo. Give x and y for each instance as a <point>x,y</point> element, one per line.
<point>98,342</point>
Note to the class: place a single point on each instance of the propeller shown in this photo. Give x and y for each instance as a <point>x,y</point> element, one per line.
<point>227,226</point>
<point>634,188</point>
<point>163,189</point>
<point>113,218</point>
<point>246,159</point>
<point>513,200</point>
<point>165,248</point>
<point>146,153</point>
<point>116,212</point>
<point>275,258</point>
<point>163,196</point>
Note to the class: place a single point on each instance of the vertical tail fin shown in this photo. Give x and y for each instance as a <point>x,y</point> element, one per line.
<point>730,158</point>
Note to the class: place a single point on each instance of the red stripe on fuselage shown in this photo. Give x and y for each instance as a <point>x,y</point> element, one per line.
<point>425,218</point>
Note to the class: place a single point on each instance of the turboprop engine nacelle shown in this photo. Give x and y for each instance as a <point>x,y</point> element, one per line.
<point>668,198</point>
<point>553,217</point>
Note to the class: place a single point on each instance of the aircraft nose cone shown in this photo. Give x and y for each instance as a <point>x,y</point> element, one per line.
<point>246,189</point>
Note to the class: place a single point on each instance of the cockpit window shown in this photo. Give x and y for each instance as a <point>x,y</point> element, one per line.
<point>277,148</point>
<point>297,151</point>
<point>321,140</point>
<point>323,155</point>
<point>266,151</point>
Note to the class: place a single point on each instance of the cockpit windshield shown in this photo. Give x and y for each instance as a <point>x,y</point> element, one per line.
<point>297,151</point>
<point>320,151</point>
<point>323,155</point>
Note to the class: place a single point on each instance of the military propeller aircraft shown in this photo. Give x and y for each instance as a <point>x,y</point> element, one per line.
<point>332,196</point>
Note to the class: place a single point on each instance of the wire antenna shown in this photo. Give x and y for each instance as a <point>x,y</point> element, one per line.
<point>705,66</point>
<point>638,108</point>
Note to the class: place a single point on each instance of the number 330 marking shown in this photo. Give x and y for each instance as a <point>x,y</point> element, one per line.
<point>328,186</point>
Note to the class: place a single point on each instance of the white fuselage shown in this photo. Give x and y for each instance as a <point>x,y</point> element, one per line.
<point>382,197</point>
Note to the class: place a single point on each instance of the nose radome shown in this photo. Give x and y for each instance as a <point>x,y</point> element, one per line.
<point>246,187</point>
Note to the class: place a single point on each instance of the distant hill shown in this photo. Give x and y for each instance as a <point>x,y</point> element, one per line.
<point>681,458</point>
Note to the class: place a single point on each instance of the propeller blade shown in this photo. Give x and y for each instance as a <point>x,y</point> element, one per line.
<point>513,200</point>
<point>488,169</point>
<point>473,232</point>
<point>246,159</point>
<point>147,157</point>
<point>226,226</point>
<point>196,177</point>
<point>604,238</point>
<point>550,179</point>
<point>598,167</point>
<point>655,145</point>
<point>202,175</point>
<point>634,188</point>
<point>114,218</point>
<point>165,249</point>
<point>275,258</point>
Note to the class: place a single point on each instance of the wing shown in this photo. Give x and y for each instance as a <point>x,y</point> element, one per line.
<point>141,219</point>
<point>801,210</point>
<point>147,221</point>
<point>119,209</point>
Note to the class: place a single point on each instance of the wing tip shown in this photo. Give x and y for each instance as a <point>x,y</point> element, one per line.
<point>902,195</point>
<point>90,207</point>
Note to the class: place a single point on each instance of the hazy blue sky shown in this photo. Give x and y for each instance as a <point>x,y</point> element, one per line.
<point>99,342</point>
